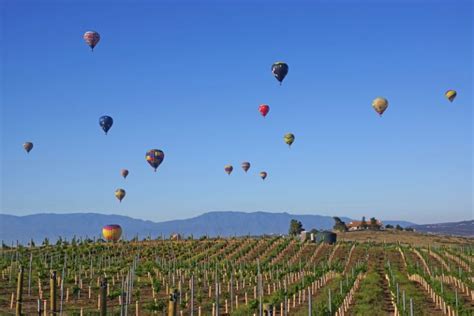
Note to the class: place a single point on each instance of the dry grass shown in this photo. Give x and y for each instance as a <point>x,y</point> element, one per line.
<point>412,238</point>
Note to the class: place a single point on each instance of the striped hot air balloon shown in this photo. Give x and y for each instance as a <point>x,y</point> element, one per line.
<point>91,38</point>
<point>246,166</point>
<point>112,232</point>
<point>228,169</point>
<point>155,157</point>
<point>451,95</point>
<point>263,175</point>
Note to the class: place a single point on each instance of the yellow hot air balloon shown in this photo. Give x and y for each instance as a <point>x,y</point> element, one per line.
<point>120,194</point>
<point>289,139</point>
<point>112,232</point>
<point>380,105</point>
<point>451,95</point>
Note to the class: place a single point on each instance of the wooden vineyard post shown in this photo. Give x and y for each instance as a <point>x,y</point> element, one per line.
<point>19,292</point>
<point>103,296</point>
<point>172,303</point>
<point>52,285</point>
<point>192,295</point>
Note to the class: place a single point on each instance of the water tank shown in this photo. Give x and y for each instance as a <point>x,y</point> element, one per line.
<point>327,237</point>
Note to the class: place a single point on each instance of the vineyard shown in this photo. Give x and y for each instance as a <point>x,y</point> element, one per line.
<point>237,276</point>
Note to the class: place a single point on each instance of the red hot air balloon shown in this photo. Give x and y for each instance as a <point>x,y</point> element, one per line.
<point>91,38</point>
<point>264,109</point>
<point>124,173</point>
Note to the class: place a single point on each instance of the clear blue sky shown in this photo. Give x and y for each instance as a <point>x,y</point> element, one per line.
<point>187,78</point>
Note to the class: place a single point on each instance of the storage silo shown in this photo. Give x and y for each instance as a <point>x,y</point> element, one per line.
<point>326,237</point>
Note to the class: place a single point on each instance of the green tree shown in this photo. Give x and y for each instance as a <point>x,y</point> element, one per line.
<point>388,226</point>
<point>398,227</point>
<point>339,225</point>
<point>364,223</point>
<point>373,224</point>
<point>46,242</point>
<point>296,227</point>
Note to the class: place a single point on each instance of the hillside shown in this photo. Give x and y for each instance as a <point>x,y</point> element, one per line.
<point>39,226</point>
<point>52,226</point>
<point>464,228</point>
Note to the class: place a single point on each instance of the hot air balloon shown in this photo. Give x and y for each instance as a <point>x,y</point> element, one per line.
<point>112,232</point>
<point>246,166</point>
<point>91,38</point>
<point>280,70</point>
<point>106,123</point>
<point>451,95</point>
<point>155,157</point>
<point>380,105</point>
<point>228,169</point>
<point>263,175</point>
<point>28,146</point>
<point>264,109</point>
<point>289,138</point>
<point>120,194</point>
<point>124,173</point>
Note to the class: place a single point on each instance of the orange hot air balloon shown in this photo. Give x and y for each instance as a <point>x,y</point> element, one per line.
<point>124,173</point>
<point>264,109</point>
<point>112,232</point>
<point>380,105</point>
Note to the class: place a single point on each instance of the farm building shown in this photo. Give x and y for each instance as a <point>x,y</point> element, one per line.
<point>357,225</point>
<point>175,237</point>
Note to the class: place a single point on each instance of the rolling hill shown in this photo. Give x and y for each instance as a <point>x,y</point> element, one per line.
<point>39,226</point>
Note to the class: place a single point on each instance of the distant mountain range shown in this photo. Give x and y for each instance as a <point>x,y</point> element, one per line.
<point>464,228</point>
<point>39,226</point>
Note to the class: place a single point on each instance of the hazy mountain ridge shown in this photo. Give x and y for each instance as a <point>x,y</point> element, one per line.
<point>39,226</point>
<point>464,228</point>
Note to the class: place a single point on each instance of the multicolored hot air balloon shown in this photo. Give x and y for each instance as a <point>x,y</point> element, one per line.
<point>228,169</point>
<point>155,157</point>
<point>28,146</point>
<point>91,38</point>
<point>120,194</point>
<point>280,70</point>
<point>112,232</point>
<point>124,173</point>
<point>289,139</point>
<point>380,105</point>
<point>451,95</point>
<point>264,109</point>
<point>263,175</point>
<point>246,166</point>
<point>106,123</point>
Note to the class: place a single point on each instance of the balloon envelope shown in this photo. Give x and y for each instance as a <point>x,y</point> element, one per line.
<point>280,70</point>
<point>263,175</point>
<point>289,138</point>
<point>451,95</point>
<point>380,105</point>
<point>155,157</point>
<point>112,232</point>
<point>106,123</point>
<point>120,194</point>
<point>124,173</point>
<point>228,169</point>
<point>28,146</point>
<point>91,38</point>
<point>264,109</point>
<point>246,166</point>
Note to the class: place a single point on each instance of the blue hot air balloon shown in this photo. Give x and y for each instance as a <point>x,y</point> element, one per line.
<point>106,123</point>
